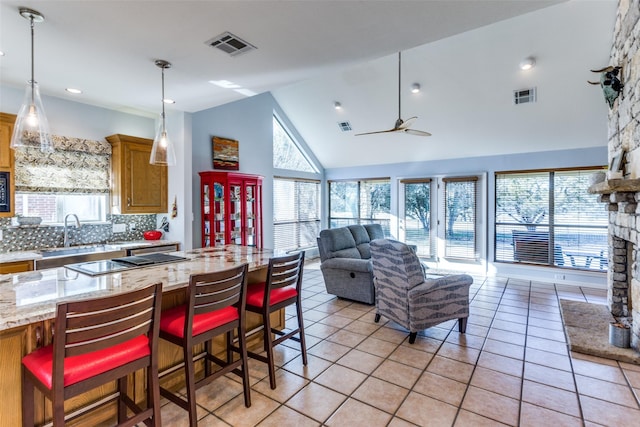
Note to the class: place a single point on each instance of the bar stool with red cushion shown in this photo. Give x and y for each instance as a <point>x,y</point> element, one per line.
<point>97,341</point>
<point>215,305</point>
<point>282,288</point>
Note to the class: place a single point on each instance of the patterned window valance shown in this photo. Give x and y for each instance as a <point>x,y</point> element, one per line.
<point>76,166</point>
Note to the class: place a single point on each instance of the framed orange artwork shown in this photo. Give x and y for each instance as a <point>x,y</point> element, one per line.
<point>225,154</point>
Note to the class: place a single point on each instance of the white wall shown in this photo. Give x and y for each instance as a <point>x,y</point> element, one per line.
<point>180,227</point>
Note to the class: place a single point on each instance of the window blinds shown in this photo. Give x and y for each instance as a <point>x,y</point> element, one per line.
<point>548,217</point>
<point>76,166</point>
<point>296,213</point>
<point>460,228</point>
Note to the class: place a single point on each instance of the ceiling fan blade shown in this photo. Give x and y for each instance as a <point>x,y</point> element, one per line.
<point>407,123</point>
<point>400,125</point>
<point>416,132</point>
<point>378,131</point>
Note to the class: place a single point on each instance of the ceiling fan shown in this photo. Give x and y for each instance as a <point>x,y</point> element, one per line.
<point>401,125</point>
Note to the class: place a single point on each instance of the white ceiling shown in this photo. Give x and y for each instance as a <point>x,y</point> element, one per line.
<point>312,53</point>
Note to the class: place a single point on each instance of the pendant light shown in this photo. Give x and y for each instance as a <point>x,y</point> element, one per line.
<point>162,151</point>
<point>31,125</point>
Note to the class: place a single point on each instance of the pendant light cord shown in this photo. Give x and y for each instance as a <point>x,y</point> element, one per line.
<point>33,82</point>
<point>163,122</point>
<point>399,71</point>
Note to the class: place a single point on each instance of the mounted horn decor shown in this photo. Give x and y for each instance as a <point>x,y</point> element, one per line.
<point>610,83</point>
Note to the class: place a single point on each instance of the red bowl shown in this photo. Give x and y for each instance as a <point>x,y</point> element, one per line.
<point>152,235</point>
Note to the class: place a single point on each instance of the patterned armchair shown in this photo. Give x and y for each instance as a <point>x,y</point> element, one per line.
<point>406,297</point>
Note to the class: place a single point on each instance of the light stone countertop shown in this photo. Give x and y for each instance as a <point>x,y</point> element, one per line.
<point>31,297</point>
<point>35,254</point>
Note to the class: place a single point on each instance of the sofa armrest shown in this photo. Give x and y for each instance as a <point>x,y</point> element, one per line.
<point>359,265</point>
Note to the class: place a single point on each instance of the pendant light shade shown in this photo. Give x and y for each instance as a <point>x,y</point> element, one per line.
<point>162,151</point>
<point>31,127</point>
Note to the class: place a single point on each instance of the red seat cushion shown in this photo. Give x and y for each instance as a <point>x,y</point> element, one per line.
<point>172,320</point>
<point>79,368</point>
<point>255,294</point>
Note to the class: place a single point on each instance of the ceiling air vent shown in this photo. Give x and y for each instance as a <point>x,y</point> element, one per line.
<point>231,44</point>
<point>344,126</point>
<point>524,96</point>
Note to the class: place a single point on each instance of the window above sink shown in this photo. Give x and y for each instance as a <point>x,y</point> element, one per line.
<point>52,208</point>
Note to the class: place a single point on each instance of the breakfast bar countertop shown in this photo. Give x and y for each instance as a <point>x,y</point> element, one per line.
<point>30,297</point>
<point>36,255</point>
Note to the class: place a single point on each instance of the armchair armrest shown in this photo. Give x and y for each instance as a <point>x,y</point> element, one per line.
<point>451,284</point>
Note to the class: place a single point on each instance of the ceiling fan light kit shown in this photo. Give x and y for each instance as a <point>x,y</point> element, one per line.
<point>527,63</point>
<point>401,125</point>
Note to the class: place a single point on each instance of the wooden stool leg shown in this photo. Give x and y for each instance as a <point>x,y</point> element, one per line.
<point>153,394</point>
<point>28,398</point>
<point>190,380</point>
<point>207,364</point>
<point>242,342</point>
<point>122,407</point>
<point>268,340</point>
<point>303,344</point>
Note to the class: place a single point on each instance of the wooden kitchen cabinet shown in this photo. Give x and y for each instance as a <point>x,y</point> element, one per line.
<point>231,209</point>
<point>16,266</point>
<point>137,187</point>
<point>7,164</point>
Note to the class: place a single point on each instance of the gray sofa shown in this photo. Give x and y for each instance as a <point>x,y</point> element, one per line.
<point>346,261</point>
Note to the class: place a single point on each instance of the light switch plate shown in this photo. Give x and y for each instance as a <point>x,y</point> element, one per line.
<point>119,228</point>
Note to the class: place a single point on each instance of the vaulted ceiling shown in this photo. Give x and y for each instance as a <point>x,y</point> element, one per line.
<point>310,54</point>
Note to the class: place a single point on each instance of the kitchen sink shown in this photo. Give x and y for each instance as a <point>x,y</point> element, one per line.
<point>53,252</point>
<point>58,257</point>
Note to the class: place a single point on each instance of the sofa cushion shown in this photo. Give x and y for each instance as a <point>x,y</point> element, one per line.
<point>361,237</point>
<point>339,243</point>
<point>375,231</point>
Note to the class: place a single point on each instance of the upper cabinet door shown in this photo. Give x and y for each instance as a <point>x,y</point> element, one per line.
<point>6,129</point>
<point>137,186</point>
<point>7,186</point>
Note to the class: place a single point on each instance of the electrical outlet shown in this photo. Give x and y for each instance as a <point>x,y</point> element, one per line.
<point>119,228</point>
<point>132,227</point>
<point>0,234</point>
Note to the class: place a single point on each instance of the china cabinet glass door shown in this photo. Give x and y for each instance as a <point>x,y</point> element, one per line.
<point>231,209</point>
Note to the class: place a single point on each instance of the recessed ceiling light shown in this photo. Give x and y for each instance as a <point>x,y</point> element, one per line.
<point>415,88</point>
<point>527,63</point>
<point>337,105</point>
<point>73,90</point>
<point>225,84</point>
<point>1,53</point>
<point>245,92</point>
<point>168,101</point>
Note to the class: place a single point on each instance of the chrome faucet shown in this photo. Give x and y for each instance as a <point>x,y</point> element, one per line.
<point>66,235</point>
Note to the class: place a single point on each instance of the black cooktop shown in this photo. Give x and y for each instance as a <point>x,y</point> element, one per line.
<point>96,268</point>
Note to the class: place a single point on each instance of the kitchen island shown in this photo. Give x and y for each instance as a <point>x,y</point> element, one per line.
<point>28,303</point>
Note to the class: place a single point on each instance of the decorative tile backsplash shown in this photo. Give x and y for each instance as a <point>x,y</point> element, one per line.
<point>28,238</point>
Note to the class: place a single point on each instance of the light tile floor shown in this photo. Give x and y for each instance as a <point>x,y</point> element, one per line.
<point>512,367</point>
